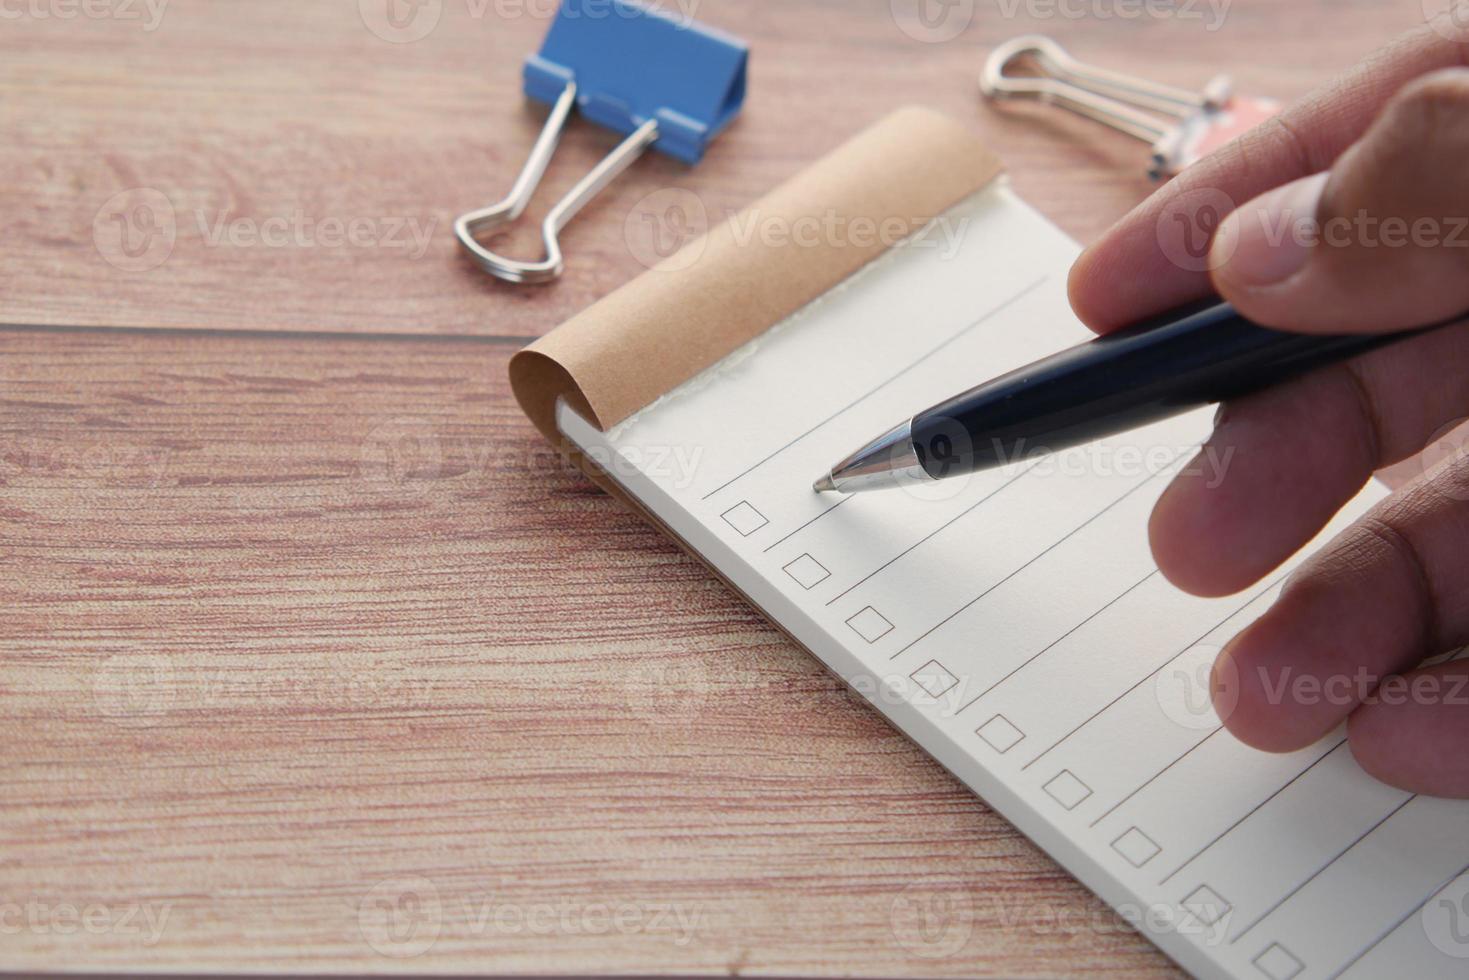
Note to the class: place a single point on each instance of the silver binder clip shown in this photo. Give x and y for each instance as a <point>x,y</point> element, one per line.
<point>1204,120</point>
<point>663,83</point>
<point>466,226</point>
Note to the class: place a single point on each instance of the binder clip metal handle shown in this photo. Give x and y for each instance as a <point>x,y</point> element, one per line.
<point>467,226</point>
<point>1108,97</point>
<point>666,84</point>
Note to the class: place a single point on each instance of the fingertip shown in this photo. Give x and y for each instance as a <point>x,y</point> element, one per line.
<point>1410,732</point>
<point>1087,287</point>
<point>1187,532</point>
<point>1240,710</point>
<point>1370,736</point>
<point>1262,246</point>
<point>1262,710</point>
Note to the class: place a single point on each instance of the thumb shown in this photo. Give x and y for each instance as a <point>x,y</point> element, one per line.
<point>1381,242</point>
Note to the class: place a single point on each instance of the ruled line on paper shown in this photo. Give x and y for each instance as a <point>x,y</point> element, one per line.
<point>1151,779</point>
<point>1049,646</point>
<point>854,403</point>
<point>1045,551</point>
<point>1398,924</point>
<point>946,524</point>
<point>1317,873</point>
<point>803,527</point>
<point>1252,811</point>
<point>1155,671</point>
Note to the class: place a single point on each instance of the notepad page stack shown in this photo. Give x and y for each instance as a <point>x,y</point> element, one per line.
<point>1013,622</point>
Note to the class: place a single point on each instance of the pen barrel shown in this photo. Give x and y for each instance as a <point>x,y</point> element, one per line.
<point>1153,370</point>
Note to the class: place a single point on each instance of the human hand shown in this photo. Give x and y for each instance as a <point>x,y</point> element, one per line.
<point>1353,216</point>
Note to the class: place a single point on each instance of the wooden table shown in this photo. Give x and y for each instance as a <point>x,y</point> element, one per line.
<point>314,656</point>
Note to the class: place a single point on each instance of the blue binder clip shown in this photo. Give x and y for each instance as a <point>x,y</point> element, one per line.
<point>667,83</point>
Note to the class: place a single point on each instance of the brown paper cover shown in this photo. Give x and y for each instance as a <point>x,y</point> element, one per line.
<point>729,286</point>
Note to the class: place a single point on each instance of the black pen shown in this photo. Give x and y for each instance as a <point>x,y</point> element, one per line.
<point>1197,355</point>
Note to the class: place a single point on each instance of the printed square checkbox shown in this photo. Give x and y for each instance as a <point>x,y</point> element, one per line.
<point>1278,963</point>
<point>744,518</point>
<point>1067,790</point>
<point>934,678</point>
<point>870,624</point>
<point>1000,733</point>
<point>1206,905</point>
<point>1136,846</point>
<point>807,571</point>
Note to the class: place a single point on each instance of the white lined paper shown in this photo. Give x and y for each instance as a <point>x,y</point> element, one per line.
<point>1013,623</point>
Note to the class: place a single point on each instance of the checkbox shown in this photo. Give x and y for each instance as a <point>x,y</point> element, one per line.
<point>870,624</point>
<point>1136,846</point>
<point>934,678</point>
<point>744,518</point>
<point>1278,963</point>
<point>1001,735</point>
<point>1206,905</point>
<point>807,571</point>
<point>1067,790</point>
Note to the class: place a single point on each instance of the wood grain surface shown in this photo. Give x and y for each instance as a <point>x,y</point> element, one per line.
<point>259,134</point>
<point>314,657</point>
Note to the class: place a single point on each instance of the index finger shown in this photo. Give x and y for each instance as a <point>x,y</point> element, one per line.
<point>1128,273</point>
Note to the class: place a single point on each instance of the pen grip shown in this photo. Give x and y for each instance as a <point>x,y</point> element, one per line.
<point>1158,368</point>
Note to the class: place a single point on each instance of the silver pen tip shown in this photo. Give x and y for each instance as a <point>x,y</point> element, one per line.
<point>826,483</point>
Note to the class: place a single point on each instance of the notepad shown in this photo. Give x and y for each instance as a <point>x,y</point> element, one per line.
<point>1013,623</point>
